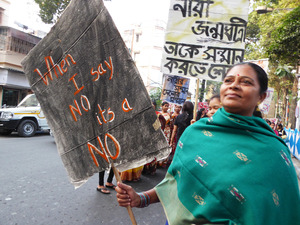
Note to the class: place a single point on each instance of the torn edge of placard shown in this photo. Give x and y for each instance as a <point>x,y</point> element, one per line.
<point>156,125</point>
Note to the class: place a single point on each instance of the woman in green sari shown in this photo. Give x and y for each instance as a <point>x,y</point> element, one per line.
<point>230,168</point>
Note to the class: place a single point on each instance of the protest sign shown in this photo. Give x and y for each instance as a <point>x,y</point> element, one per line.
<point>92,94</point>
<point>203,105</point>
<point>175,89</point>
<point>204,38</point>
<point>264,107</point>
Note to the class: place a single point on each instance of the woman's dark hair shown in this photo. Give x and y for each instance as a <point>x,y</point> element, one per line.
<point>188,107</point>
<point>187,110</point>
<point>164,103</point>
<point>280,126</point>
<point>199,114</point>
<point>201,110</point>
<point>215,96</point>
<point>257,114</point>
<point>261,75</point>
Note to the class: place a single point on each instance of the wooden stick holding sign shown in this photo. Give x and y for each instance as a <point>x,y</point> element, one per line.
<point>196,99</point>
<point>118,178</point>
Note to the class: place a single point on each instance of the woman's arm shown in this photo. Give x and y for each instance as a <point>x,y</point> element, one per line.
<point>126,196</point>
<point>173,134</point>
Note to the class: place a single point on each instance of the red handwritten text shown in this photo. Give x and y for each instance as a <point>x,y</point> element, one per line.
<point>104,151</point>
<point>101,71</point>
<point>55,67</point>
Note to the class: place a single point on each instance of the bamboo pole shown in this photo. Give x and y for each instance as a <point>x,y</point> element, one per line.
<point>118,178</point>
<point>196,99</point>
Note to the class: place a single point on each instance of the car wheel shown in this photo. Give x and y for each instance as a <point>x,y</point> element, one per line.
<point>27,128</point>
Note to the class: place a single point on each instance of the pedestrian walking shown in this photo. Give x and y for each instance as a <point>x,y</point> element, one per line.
<point>103,189</point>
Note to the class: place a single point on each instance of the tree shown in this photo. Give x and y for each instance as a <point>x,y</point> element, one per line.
<point>275,35</point>
<point>155,94</point>
<point>286,39</point>
<point>285,48</point>
<point>50,10</point>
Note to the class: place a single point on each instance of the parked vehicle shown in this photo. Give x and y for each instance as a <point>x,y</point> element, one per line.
<point>26,118</point>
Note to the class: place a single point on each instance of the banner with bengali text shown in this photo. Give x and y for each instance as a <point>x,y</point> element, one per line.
<point>175,89</point>
<point>204,37</point>
<point>264,107</point>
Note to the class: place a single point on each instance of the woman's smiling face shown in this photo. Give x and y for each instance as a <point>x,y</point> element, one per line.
<point>240,91</point>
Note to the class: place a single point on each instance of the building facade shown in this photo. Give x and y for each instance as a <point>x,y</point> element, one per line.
<point>14,45</point>
<point>145,43</point>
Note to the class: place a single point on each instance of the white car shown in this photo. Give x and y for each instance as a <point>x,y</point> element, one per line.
<point>26,118</point>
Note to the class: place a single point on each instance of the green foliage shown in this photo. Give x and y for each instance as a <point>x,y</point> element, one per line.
<point>213,87</point>
<point>284,72</point>
<point>50,10</point>
<point>260,28</point>
<point>275,35</point>
<point>286,39</point>
<point>155,94</point>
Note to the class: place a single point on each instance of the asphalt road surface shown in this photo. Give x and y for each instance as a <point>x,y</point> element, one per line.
<point>35,189</point>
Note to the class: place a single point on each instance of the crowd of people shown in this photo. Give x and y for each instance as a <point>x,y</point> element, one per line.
<point>277,128</point>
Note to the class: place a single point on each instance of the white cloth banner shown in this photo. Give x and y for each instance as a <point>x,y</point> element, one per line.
<point>293,142</point>
<point>265,105</point>
<point>204,38</point>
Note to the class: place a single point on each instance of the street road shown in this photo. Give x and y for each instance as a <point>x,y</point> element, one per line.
<point>35,189</point>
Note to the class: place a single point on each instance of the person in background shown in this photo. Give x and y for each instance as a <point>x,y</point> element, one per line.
<point>214,105</point>
<point>182,121</point>
<point>150,168</point>
<point>132,174</point>
<point>281,131</point>
<point>159,115</point>
<point>273,128</point>
<point>103,189</point>
<point>167,116</point>
<point>167,130</point>
<point>230,168</point>
<point>201,114</point>
<point>173,144</point>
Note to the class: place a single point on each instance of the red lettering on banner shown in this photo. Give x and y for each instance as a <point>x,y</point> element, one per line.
<point>104,151</point>
<point>77,109</point>
<point>101,152</point>
<point>85,104</point>
<point>116,143</point>
<point>101,113</point>
<point>112,115</point>
<point>125,105</point>
<point>101,71</point>
<point>109,112</point>
<point>75,84</point>
<point>55,67</point>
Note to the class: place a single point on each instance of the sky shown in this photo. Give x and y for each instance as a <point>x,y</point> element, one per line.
<point>123,12</point>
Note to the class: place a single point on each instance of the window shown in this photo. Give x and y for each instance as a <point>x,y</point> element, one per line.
<point>10,97</point>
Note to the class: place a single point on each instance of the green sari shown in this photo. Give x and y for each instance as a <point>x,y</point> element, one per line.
<point>231,169</point>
